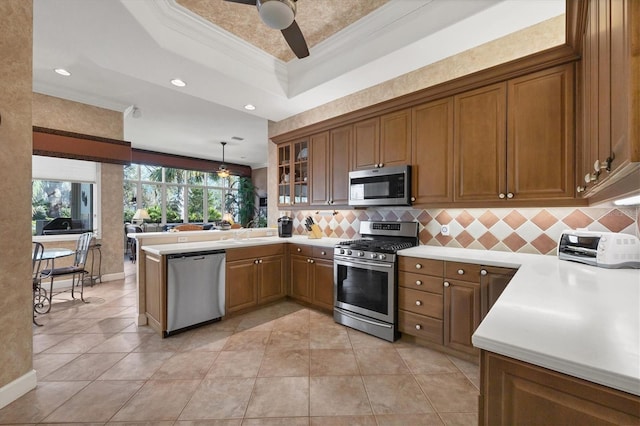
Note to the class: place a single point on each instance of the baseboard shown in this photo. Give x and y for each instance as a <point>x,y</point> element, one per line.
<point>142,319</point>
<point>112,277</point>
<point>14,390</point>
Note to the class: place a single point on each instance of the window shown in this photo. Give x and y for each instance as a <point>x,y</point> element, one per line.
<point>175,195</point>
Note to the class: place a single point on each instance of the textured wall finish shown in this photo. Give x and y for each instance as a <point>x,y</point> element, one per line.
<point>524,230</point>
<point>61,114</point>
<point>16,42</point>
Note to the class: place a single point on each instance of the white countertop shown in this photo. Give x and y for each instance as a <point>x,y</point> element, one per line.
<point>577,319</point>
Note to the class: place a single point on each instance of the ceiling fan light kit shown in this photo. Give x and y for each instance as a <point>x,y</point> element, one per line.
<point>223,172</point>
<point>277,14</point>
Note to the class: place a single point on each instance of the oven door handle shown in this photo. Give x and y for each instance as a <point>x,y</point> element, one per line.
<point>364,263</point>
<point>376,323</point>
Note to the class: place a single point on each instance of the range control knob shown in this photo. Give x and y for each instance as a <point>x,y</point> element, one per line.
<point>349,252</point>
<point>360,253</point>
<point>341,251</point>
<point>382,256</point>
<point>373,255</point>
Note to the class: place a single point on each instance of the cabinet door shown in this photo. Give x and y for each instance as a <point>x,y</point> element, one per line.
<point>300,175</point>
<point>493,281</point>
<point>270,280</point>
<point>480,143</point>
<point>320,169</point>
<point>366,144</point>
<point>395,138</point>
<point>300,278</point>
<point>323,283</point>
<point>284,175</point>
<point>432,155</point>
<point>155,291</point>
<point>461,314</point>
<point>540,138</point>
<point>241,291</point>
<point>339,165</point>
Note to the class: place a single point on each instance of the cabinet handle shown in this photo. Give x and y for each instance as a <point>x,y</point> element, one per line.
<point>509,195</point>
<point>460,271</point>
<point>323,252</point>
<point>502,196</point>
<point>413,198</point>
<point>483,272</point>
<point>418,327</point>
<point>418,266</point>
<point>418,303</point>
<point>299,250</point>
<point>418,282</point>
<point>446,284</point>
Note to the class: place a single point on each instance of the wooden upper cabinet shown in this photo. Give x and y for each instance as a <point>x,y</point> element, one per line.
<point>330,167</point>
<point>480,143</point>
<point>395,138</point>
<point>319,146</point>
<point>293,173</point>
<point>366,144</point>
<point>540,135</point>
<point>432,152</point>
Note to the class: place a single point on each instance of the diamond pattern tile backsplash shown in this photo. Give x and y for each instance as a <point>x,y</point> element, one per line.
<point>524,230</point>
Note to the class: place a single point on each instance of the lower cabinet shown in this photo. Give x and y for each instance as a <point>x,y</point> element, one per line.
<point>312,275</point>
<point>514,392</point>
<point>461,314</point>
<point>254,276</point>
<point>155,278</point>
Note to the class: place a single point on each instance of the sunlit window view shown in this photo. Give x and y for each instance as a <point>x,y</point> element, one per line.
<point>59,207</point>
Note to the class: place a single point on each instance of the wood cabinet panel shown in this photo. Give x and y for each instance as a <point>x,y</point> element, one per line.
<point>432,152</point>
<point>300,278</point>
<point>338,166</point>
<point>320,160</point>
<point>270,279</point>
<point>254,252</point>
<point>461,314</point>
<point>323,284</point>
<point>323,253</point>
<point>395,138</point>
<point>462,271</point>
<point>420,265</point>
<point>366,144</point>
<point>420,282</point>
<point>241,286</point>
<point>301,249</point>
<point>155,291</point>
<point>420,326</point>
<point>517,393</point>
<point>420,302</point>
<point>493,281</point>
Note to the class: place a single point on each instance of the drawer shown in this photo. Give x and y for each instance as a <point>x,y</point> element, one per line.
<point>421,282</point>
<point>462,271</point>
<point>422,266</point>
<point>323,253</point>
<point>420,326</point>
<point>420,302</point>
<point>255,252</point>
<point>301,249</point>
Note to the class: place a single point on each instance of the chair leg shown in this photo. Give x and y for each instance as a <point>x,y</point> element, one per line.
<point>82,278</point>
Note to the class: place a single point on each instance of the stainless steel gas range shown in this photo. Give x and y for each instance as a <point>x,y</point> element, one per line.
<point>365,277</point>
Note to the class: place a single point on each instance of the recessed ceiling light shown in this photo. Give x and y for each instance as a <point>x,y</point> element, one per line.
<point>178,83</point>
<point>62,71</point>
<point>249,107</point>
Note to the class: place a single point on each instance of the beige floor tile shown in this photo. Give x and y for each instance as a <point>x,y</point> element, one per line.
<point>134,328</point>
<point>45,364</point>
<point>97,402</point>
<point>277,421</point>
<point>288,339</point>
<point>343,421</point>
<point>430,419</point>
<point>426,361</point>
<point>382,360</point>
<point>338,396</point>
<point>460,419</point>
<point>78,343</point>
<point>247,340</point>
<point>158,400</point>
<point>295,321</point>
<point>450,392</point>
<point>121,342</point>
<point>42,342</point>
<point>322,320</point>
<point>136,366</point>
<point>257,321</point>
<point>329,338</point>
<point>110,325</point>
<point>279,397</point>
<point>361,340</point>
<point>186,365</point>
<point>209,340</point>
<point>219,398</point>
<point>285,363</point>
<point>155,343</point>
<point>144,423</point>
<point>69,326</point>
<point>236,364</point>
<point>391,394</point>
<point>333,362</point>
<point>84,367</point>
<point>38,403</point>
<point>216,422</point>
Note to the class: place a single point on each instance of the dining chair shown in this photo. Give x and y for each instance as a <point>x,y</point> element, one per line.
<point>188,227</point>
<point>131,242</point>
<point>40,299</point>
<point>77,270</point>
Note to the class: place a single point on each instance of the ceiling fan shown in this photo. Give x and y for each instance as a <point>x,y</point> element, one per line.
<point>280,15</point>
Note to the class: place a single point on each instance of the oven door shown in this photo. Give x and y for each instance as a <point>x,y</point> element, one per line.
<point>365,287</point>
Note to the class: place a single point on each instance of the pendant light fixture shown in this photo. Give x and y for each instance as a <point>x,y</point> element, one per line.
<point>223,172</point>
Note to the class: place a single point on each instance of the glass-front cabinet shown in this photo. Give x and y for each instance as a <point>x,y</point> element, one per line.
<point>293,174</point>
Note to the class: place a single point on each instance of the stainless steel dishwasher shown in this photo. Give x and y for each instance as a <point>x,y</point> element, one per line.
<point>195,289</point>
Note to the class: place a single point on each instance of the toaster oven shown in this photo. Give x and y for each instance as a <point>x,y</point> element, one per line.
<point>603,249</point>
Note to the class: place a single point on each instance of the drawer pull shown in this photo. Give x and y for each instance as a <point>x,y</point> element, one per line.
<point>418,303</point>
<point>446,284</point>
<point>418,282</point>
<point>483,272</point>
<point>418,327</point>
<point>418,266</point>
<point>460,271</point>
<point>312,261</point>
<point>299,249</point>
<point>323,252</point>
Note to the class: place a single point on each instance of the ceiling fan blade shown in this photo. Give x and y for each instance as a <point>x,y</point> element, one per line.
<point>294,38</point>
<point>250,2</point>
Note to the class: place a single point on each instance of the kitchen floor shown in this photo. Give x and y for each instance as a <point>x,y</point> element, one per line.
<point>281,365</point>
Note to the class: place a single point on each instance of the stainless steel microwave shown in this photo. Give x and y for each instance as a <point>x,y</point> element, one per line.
<point>386,186</point>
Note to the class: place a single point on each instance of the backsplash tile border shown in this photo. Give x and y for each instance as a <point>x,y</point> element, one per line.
<point>521,230</point>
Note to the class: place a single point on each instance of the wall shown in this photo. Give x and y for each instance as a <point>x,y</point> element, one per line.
<point>16,374</point>
<point>61,114</point>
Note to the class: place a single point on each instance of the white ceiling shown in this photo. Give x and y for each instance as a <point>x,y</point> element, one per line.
<point>124,52</point>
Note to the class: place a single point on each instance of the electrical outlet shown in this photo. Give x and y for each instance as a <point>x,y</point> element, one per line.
<point>444,230</point>
<point>183,239</point>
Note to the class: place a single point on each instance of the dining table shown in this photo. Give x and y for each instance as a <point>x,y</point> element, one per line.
<point>42,298</point>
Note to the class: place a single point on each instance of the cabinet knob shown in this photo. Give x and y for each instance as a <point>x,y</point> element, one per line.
<point>312,261</point>
<point>299,250</point>
<point>418,266</point>
<point>602,165</point>
<point>308,260</point>
<point>580,189</point>
<point>418,327</point>
<point>260,261</point>
<point>323,252</point>
<point>446,284</point>
<point>418,303</point>
<point>418,282</point>
<point>413,198</point>
<point>502,196</point>
<point>380,165</point>
<point>460,271</point>
<point>483,272</point>
<point>255,261</point>
<point>509,195</point>
<point>590,177</point>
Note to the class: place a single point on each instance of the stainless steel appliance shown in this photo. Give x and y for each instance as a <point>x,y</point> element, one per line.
<point>386,186</point>
<point>365,277</point>
<point>603,249</point>
<point>195,289</point>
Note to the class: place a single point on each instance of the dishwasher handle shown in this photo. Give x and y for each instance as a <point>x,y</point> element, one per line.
<point>194,254</point>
